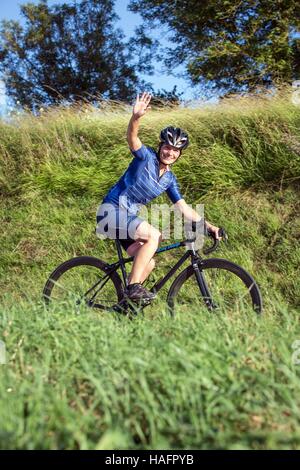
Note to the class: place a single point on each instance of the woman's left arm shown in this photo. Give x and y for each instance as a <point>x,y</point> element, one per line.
<point>190,214</point>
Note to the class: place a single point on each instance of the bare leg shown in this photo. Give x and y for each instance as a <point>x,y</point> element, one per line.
<point>148,269</point>
<point>143,263</point>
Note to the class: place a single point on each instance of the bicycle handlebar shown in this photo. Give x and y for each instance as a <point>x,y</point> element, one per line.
<point>222,233</point>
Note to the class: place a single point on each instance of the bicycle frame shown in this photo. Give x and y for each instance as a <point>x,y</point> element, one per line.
<point>191,252</point>
<point>197,268</point>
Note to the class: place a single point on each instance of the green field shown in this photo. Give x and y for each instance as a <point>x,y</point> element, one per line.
<point>89,380</point>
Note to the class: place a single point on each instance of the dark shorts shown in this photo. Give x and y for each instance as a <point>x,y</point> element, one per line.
<point>116,223</point>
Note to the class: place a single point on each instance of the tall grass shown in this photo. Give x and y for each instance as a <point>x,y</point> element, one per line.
<point>80,151</point>
<point>200,381</point>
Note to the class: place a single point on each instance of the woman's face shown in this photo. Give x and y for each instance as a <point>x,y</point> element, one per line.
<point>168,154</point>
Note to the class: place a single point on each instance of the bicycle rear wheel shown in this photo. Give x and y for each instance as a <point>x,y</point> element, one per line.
<point>226,287</point>
<point>84,281</point>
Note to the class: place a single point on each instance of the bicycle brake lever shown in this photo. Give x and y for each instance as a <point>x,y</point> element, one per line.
<point>222,233</point>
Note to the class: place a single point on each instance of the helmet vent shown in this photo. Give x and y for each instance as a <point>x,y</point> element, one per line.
<point>175,137</point>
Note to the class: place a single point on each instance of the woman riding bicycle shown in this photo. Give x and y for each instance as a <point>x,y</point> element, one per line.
<point>147,176</point>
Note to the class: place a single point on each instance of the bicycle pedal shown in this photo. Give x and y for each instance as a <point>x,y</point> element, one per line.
<point>137,300</point>
<point>141,302</point>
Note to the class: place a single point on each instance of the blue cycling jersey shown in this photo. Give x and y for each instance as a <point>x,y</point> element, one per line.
<point>141,182</point>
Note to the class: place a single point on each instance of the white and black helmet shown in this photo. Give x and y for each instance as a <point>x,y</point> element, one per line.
<point>174,136</point>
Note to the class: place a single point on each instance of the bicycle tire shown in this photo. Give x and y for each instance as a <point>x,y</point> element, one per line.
<point>207,266</point>
<point>115,288</point>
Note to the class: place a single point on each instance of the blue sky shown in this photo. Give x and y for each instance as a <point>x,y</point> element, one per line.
<point>128,21</point>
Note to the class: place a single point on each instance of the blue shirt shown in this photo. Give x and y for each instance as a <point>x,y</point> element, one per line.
<point>141,182</point>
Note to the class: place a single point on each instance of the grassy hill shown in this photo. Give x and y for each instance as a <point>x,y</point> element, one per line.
<point>90,380</point>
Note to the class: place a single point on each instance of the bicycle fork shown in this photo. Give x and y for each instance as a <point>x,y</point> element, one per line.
<point>210,304</point>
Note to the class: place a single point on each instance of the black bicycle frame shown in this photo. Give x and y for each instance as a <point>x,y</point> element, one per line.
<point>195,258</point>
<point>195,262</point>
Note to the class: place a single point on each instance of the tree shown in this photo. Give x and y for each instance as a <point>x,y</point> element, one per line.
<point>66,52</point>
<point>163,98</point>
<point>229,45</point>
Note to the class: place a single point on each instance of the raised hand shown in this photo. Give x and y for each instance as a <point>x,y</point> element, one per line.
<point>141,105</point>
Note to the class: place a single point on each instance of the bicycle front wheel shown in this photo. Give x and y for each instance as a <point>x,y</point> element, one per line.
<point>84,281</point>
<point>225,286</point>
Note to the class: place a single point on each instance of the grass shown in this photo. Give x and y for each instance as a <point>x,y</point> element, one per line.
<point>94,381</point>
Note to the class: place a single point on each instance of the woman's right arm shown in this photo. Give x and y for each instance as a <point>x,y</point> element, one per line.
<point>139,109</point>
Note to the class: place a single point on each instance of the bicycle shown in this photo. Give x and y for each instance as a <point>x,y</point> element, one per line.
<point>216,283</point>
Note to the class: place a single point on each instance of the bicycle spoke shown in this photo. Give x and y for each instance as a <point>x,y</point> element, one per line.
<point>222,290</point>
<point>227,291</point>
<point>101,286</point>
<point>85,285</point>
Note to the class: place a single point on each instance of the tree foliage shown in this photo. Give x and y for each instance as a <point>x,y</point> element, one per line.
<point>67,51</point>
<point>229,45</point>
<point>163,98</point>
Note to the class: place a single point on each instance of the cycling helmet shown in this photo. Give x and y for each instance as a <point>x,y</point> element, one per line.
<point>174,136</point>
